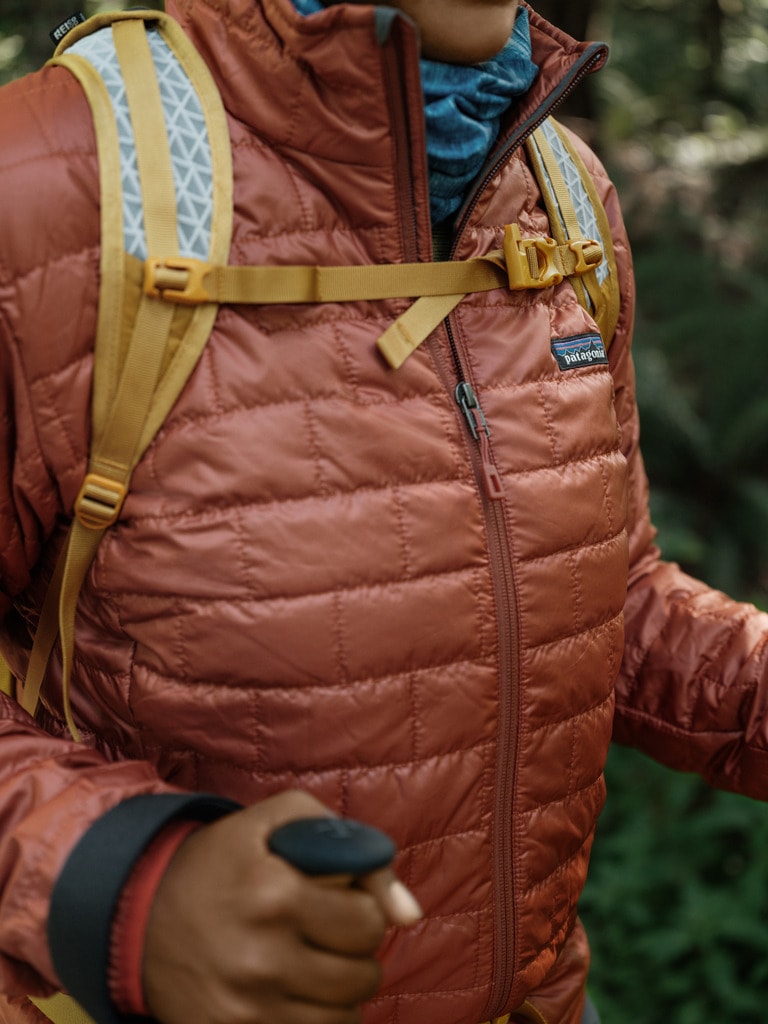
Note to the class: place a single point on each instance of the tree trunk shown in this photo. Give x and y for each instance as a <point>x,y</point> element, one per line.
<point>575,18</point>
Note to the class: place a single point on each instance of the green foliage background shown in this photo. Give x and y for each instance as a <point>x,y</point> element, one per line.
<point>677,901</point>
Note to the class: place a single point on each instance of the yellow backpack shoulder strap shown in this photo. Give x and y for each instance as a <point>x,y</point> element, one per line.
<point>576,211</point>
<point>150,93</point>
<point>146,86</point>
<point>6,679</point>
<point>62,1009</point>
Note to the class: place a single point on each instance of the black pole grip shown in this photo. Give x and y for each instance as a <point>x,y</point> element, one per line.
<point>332,846</point>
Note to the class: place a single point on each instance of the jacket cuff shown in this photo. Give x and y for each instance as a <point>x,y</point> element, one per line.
<point>126,955</point>
<point>87,891</point>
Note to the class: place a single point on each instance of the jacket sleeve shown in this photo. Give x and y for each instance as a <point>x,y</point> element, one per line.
<point>69,814</point>
<point>693,687</point>
<point>72,823</point>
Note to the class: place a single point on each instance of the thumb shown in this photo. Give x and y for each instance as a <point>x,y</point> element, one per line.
<point>398,903</point>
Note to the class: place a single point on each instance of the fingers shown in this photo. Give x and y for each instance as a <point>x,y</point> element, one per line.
<point>304,1013</point>
<point>269,1008</point>
<point>326,978</point>
<point>347,921</point>
<point>287,1011</point>
<point>288,970</point>
<point>262,943</point>
<point>397,903</point>
<point>352,918</point>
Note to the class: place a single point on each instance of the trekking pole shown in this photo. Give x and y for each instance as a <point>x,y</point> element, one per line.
<point>335,850</point>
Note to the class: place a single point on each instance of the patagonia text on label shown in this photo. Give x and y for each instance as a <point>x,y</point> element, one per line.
<point>66,27</point>
<point>581,350</point>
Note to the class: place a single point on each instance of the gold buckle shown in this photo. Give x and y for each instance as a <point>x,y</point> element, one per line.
<point>98,504</point>
<point>522,254</point>
<point>589,254</point>
<point>177,279</point>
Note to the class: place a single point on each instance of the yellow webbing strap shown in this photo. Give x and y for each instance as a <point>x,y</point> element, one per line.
<point>6,679</point>
<point>440,287</point>
<point>529,1011</point>
<point>62,1009</point>
<point>318,284</point>
<point>602,300</point>
<point>437,287</point>
<point>134,387</point>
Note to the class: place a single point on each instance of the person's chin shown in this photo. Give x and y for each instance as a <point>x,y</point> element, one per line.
<point>457,31</point>
<point>462,51</point>
<point>462,31</point>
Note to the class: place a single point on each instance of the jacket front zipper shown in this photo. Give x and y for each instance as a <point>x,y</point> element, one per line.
<point>491,493</point>
<point>502,576</point>
<point>478,425</point>
<point>505,942</point>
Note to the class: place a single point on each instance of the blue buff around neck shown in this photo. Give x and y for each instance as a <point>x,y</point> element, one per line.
<point>463,107</point>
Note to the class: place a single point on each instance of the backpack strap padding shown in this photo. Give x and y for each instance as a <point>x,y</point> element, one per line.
<point>7,683</point>
<point>153,153</point>
<point>185,357</point>
<point>575,209</point>
<point>114,448</point>
<point>134,386</point>
<point>111,207</point>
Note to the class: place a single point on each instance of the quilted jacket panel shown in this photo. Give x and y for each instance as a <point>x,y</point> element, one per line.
<point>308,585</point>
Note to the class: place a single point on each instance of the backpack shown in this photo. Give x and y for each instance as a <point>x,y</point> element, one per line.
<point>166,222</point>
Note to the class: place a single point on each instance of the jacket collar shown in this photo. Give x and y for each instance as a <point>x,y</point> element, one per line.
<point>256,47</point>
<point>299,82</point>
<point>562,62</point>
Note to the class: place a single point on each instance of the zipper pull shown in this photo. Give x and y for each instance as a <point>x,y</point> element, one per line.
<point>473,414</point>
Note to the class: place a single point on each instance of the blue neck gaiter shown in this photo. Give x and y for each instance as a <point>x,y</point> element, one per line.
<point>463,107</point>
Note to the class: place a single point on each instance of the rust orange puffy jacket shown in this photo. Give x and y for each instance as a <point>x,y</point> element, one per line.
<point>309,585</point>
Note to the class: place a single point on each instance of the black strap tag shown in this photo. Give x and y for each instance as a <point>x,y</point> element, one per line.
<point>66,27</point>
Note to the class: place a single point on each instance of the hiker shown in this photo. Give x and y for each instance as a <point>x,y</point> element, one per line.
<point>413,585</point>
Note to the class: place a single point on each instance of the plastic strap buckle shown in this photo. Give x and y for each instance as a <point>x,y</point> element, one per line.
<point>98,504</point>
<point>176,279</point>
<point>530,261</point>
<point>541,262</point>
<point>589,255</point>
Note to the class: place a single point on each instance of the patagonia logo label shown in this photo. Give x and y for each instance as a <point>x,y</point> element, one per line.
<point>581,350</point>
<point>66,27</point>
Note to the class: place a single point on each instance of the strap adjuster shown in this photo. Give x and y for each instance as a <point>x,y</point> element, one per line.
<point>541,262</point>
<point>99,502</point>
<point>530,261</point>
<point>177,279</point>
<point>589,254</point>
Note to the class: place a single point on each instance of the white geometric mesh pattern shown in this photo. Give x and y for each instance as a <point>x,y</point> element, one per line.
<point>190,150</point>
<point>99,50</point>
<point>187,136</point>
<point>585,213</point>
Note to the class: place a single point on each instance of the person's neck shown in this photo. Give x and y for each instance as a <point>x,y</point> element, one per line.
<point>463,106</point>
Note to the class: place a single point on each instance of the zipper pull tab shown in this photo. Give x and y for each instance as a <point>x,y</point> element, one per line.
<point>473,414</point>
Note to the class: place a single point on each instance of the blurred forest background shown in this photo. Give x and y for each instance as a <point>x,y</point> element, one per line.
<point>677,902</point>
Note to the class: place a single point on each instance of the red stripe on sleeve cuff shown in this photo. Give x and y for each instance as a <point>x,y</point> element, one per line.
<point>132,916</point>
